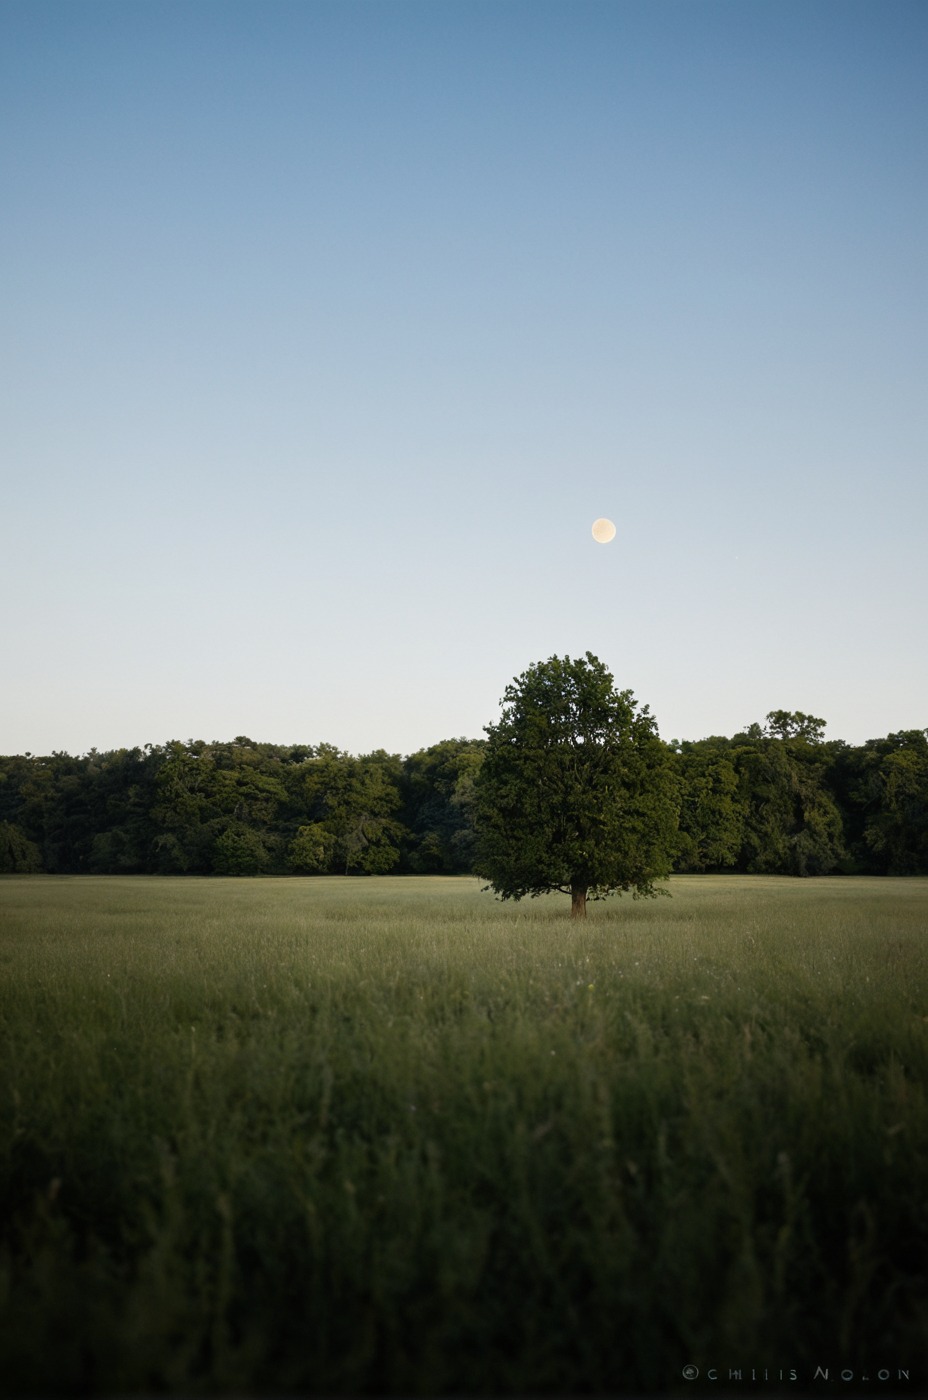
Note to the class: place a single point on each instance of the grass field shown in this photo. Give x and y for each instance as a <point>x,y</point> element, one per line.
<point>390,1136</point>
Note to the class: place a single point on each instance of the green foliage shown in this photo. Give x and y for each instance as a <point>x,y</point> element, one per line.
<point>793,724</point>
<point>181,814</point>
<point>439,786</point>
<point>799,806</point>
<point>355,799</point>
<point>311,850</point>
<point>576,791</point>
<point>18,855</point>
<point>792,824</point>
<point>207,792</point>
<point>712,812</point>
<point>239,850</point>
<point>892,788</point>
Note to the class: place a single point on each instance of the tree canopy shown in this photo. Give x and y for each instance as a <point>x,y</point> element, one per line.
<point>576,791</point>
<point>776,798</point>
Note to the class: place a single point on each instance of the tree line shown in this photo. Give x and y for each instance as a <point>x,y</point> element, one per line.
<point>777,798</point>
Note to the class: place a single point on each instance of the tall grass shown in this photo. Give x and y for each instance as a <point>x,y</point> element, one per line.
<point>391,1136</point>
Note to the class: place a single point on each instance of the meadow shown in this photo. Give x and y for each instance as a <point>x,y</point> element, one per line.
<point>391,1136</point>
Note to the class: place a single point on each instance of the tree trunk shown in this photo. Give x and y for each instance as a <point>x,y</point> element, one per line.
<point>578,901</point>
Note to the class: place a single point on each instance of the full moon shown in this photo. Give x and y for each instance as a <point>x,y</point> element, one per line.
<point>603,530</point>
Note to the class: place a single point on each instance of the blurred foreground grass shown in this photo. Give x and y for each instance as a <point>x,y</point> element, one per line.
<point>390,1136</point>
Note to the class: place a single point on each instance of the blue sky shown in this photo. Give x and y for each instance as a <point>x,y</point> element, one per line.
<point>330,328</point>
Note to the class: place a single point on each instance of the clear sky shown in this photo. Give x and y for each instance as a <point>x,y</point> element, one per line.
<point>329,327</point>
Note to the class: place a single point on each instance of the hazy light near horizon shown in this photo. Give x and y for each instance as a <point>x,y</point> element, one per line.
<point>603,530</point>
<point>326,325</point>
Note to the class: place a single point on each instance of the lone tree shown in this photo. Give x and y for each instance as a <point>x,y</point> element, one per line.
<point>576,792</point>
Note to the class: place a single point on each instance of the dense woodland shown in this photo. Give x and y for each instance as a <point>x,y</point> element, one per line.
<point>775,799</point>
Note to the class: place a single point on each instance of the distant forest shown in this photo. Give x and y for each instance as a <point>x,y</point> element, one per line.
<point>776,799</point>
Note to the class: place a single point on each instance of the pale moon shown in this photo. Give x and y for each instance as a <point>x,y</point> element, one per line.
<point>603,530</point>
